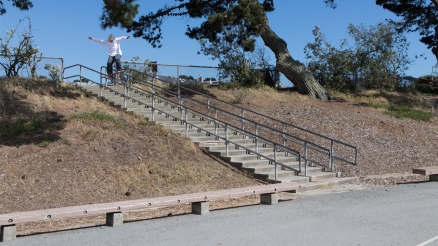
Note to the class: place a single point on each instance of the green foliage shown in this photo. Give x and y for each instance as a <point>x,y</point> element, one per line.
<point>139,71</point>
<point>19,127</point>
<point>21,56</point>
<point>84,80</point>
<point>401,111</point>
<point>45,141</point>
<point>20,4</point>
<point>190,77</point>
<point>240,95</point>
<point>67,142</point>
<point>145,123</point>
<point>55,72</point>
<point>427,84</point>
<point>244,68</point>
<point>118,13</point>
<point>418,16</point>
<point>377,61</point>
<point>406,112</point>
<point>95,116</point>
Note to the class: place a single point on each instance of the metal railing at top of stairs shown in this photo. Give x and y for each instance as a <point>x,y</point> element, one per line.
<point>185,120</point>
<point>283,133</point>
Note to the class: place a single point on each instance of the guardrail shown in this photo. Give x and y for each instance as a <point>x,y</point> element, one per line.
<point>114,210</point>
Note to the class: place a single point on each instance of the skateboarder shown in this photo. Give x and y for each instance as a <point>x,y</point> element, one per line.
<point>115,53</point>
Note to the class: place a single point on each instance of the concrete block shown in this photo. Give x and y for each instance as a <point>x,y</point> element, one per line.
<point>200,208</point>
<point>270,199</point>
<point>114,219</point>
<point>8,233</point>
<point>433,177</point>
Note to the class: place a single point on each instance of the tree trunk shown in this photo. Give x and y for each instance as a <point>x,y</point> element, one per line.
<point>296,72</point>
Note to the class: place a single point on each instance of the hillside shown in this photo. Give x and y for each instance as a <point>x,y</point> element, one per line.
<point>59,147</point>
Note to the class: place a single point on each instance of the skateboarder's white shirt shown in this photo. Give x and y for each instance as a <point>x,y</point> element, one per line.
<point>113,47</point>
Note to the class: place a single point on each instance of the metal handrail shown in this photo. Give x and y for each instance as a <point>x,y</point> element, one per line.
<point>282,133</point>
<point>317,148</point>
<point>282,122</point>
<point>227,125</point>
<point>237,128</point>
<point>183,100</point>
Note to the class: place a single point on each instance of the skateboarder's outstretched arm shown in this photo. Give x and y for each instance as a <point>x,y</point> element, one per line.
<point>101,41</point>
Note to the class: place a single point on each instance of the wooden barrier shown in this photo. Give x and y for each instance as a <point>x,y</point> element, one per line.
<point>114,210</point>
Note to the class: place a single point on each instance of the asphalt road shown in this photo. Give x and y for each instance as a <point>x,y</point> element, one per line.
<point>398,215</point>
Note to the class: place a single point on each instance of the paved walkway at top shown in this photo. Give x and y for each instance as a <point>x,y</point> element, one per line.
<point>398,215</point>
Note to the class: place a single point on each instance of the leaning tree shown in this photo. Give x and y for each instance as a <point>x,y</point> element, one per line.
<point>217,15</point>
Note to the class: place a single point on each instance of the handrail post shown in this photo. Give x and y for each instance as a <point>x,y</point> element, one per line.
<point>180,110</point>
<point>80,73</point>
<point>300,164</point>
<point>124,98</point>
<point>331,160</point>
<point>62,64</point>
<point>275,160</point>
<point>305,158</point>
<point>256,137</point>
<point>215,121</point>
<point>208,108</point>
<point>357,158</point>
<point>187,124</point>
<point>284,136</point>
<point>153,102</point>
<point>101,89</point>
<point>179,87</point>
<point>243,122</point>
<point>226,140</point>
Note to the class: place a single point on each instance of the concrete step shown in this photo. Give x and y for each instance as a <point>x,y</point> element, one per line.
<point>268,168</point>
<point>323,183</point>
<point>222,147</point>
<point>252,157</point>
<point>198,139</point>
<point>282,175</point>
<point>233,151</point>
<point>288,174</point>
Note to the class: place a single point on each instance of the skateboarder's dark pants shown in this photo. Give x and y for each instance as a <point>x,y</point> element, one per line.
<point>111,60</point>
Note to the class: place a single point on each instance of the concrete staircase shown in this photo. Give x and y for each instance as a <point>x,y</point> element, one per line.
<point>261,168</point>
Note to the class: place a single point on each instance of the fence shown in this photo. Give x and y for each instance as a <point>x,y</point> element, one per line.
<point>38,66</point>
<point>170,73</point>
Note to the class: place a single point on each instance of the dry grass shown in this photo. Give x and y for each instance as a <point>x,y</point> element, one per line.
<point>73,150</point>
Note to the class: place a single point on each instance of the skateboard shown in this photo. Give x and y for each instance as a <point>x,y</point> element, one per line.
<point>116,77</point>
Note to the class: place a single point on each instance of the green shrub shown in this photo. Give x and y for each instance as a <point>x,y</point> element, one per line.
<point>406,112</point>
<point>95,116</point>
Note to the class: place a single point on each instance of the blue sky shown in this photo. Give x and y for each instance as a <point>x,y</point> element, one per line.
<point>61,29</point>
